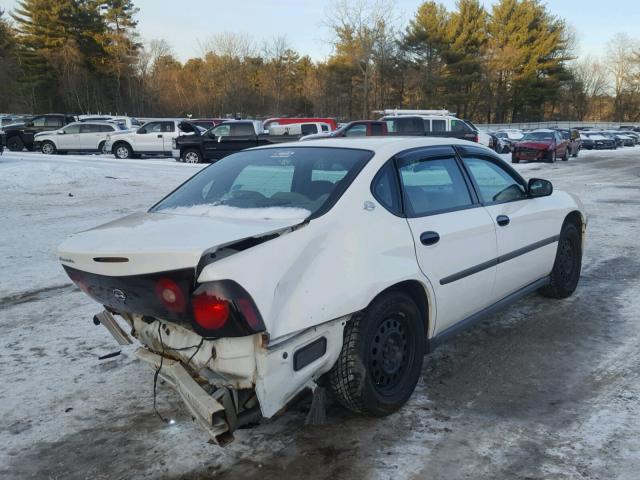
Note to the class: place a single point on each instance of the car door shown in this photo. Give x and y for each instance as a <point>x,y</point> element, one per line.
<point>454,237</point>
<point>527,228</point>
<point>148,138</point>
<point>169,132</point>
<point>88,138</point>
<point>70,139</point>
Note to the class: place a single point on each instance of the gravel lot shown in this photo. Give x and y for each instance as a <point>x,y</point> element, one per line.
<point>546,389</point>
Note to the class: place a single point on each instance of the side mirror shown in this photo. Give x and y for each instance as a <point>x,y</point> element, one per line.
<point>540,188</point>
<point>61,132</point>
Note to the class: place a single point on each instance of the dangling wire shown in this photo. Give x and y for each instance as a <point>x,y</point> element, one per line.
<point>157,372</point>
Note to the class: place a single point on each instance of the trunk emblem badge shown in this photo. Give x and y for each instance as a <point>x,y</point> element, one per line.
<point>119,295</point>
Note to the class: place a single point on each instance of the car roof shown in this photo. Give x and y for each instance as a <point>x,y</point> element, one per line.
<point>388,144</point>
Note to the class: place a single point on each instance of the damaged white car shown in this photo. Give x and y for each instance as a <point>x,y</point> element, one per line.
<point>337,264</point>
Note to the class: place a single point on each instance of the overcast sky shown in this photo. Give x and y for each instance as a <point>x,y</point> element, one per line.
<point>184,24</point>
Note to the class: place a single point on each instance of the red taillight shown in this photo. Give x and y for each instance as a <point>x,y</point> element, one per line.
<point>210,312</point>
<point>170,294</point>
<point>249,313</point>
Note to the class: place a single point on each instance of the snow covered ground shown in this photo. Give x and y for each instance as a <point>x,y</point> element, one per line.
<point>544,390</point>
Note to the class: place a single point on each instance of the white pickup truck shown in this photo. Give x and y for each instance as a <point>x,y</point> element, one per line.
<point>153,138</point>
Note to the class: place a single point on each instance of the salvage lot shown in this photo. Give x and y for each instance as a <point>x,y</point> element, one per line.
<point>547,389</point>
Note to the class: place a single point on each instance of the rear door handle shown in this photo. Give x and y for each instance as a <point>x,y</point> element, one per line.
<point>429,238</point>
<point>159,136</point>
<point>503,220</point>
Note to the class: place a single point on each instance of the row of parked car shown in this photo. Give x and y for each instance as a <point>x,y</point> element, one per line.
<point>209,139</point>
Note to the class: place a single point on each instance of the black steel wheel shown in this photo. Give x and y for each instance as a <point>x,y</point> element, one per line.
<point>381,358</point>
<point>567,265</point>
<point>15,144</point>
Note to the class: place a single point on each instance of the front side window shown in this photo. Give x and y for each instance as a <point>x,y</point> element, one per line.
<point>73,128</point>
<point>168,127</point>
<point>458,126</point>
<point>494,183</point>
<point>222,130</point>
<point>432,186</point>
<point>377,129</point>
<point>269,183</point>
<point>356,131</point>
<point>153,127</point>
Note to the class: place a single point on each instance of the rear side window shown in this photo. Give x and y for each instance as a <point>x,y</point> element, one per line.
<point>308,129</point>
<point>53,122</point>
<point>438,125</point>
<point>242,129</point>
<point>432,186</point>
<point>385,189</point>
<point>377,129</point>
<point>405,126</point>
<point>39,122</point>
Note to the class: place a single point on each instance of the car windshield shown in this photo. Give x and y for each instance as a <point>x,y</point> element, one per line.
<point>538,136</point>
<point>272,183</point>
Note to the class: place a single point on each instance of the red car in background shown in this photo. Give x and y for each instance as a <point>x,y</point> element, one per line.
<point>541,145</point>
<point>289,120</point>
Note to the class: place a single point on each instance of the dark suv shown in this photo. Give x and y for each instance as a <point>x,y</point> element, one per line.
<point>20,135</point>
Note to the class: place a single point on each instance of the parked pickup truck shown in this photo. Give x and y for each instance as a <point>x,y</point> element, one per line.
<point>21,135</point>
<point>430,123</point>
<point>222,140</point>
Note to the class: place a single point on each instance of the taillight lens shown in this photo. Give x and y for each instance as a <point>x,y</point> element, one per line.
<point>170,295</point>
<point>224,309</point>
<point>209,311</point>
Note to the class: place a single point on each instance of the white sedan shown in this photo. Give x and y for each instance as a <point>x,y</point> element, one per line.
<point>337,264</point>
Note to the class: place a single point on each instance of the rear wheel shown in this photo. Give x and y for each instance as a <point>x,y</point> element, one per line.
<point>381,358</point>
<point>15,144</point>
<point>48,148</point>
<point>192,156</point>
<point>567,265</point>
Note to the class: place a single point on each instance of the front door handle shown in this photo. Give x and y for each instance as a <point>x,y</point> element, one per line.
<point>503,220</point>
<point>159,136</point>
<point>429,238</point>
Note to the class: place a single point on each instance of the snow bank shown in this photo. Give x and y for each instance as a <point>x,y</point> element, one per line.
<point>225,211</point>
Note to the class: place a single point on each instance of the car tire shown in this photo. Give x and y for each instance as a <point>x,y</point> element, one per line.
<point>122,151</point>
<point>48,148</point>
<point>191,155</point>
<point>565,157</point>
<point>15,144</point>
<point>381,358</point>
<point>567,265</point>
<point>551,158</point>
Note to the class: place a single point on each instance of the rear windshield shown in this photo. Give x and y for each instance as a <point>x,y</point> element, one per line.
<point>268,183</point>
<point>539,136</point>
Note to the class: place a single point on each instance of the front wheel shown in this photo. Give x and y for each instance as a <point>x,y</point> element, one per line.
<point>123,151</point>
<point>551,158</point>
<point>567,265</point>
<point>192,156</point>
<point>15,144</point>
<point>381,358</point>
<point>48,148</point>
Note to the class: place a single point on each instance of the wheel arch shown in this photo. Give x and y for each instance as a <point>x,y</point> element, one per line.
<point>419,293</point>
<point>121,142</point>
<point>577,218</point>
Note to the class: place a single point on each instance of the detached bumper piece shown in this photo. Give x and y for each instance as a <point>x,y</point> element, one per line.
<point>216,412</point>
